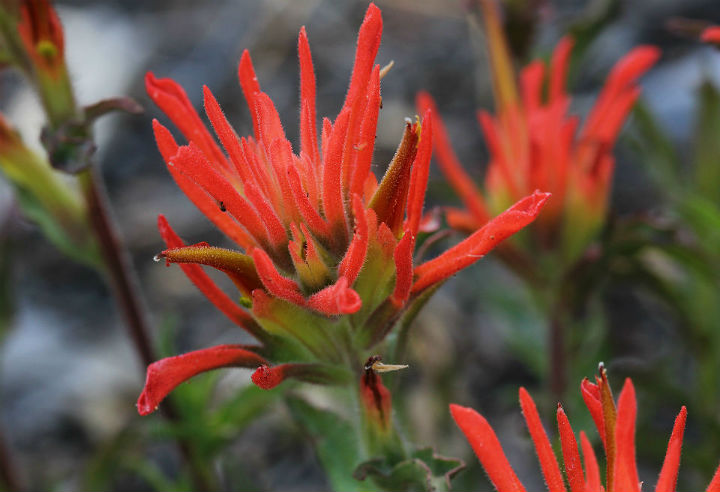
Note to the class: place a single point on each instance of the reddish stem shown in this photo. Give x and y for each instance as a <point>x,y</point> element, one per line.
<point>123,279</point>
<point>8,474</point>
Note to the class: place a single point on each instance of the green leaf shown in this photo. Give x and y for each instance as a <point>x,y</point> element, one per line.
<point>336,442</point>
<point>424,471</point>
<point>707,144</point>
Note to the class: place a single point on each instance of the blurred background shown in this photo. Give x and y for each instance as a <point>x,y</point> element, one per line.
<point>69,377</point>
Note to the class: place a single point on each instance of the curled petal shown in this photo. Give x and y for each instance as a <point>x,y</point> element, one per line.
<point>335,299</point>
<point>266,377</point>
<point>164,375</point>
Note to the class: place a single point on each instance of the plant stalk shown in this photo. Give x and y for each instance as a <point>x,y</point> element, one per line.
<point>125,287</point>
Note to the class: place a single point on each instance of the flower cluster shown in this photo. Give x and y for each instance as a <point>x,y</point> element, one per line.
<point>615,425</point>
<point>534,144</point>
<point>326,266</point>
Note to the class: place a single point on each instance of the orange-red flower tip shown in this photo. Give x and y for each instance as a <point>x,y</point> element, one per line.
<point>166,374</point>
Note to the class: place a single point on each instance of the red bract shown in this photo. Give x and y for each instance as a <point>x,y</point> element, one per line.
<point>616,426</point>
<point>320,239</point>
<point>535,144</point>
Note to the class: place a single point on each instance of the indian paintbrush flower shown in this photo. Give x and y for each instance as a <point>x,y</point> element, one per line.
<point>615,424</point>
<point>326,261</point>
<point>534,144</point>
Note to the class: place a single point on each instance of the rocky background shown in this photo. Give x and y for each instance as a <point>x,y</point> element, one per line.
<point>68,374</point>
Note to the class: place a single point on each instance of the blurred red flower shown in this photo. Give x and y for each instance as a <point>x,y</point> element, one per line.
<point>534,144</point>
<point>616,426</point>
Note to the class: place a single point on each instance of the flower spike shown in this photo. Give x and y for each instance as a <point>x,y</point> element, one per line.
<point>322,243</point>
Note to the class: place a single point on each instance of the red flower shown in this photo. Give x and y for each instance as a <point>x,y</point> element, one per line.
<point>711,35</point>
<point>616,426</point>
<point>534,144</point>
<point>321,239</point>
<point>42,36</point>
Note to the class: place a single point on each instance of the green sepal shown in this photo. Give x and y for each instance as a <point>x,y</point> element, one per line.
<point>312,333</point>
